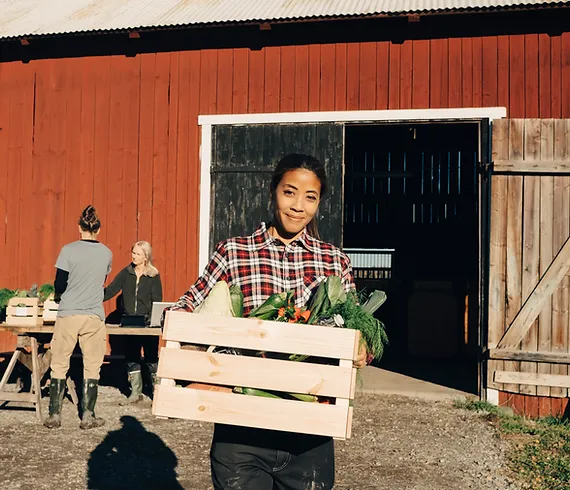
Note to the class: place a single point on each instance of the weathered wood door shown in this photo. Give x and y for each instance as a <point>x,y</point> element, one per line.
<point>529,261</point>
<point>243,158</point>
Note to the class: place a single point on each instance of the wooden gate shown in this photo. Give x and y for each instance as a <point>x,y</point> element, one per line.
<point>528,336</point>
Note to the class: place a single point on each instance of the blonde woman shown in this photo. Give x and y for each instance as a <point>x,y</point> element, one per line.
<point>141,286</point>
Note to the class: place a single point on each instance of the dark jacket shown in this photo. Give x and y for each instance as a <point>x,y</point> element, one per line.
<point>136,302</point>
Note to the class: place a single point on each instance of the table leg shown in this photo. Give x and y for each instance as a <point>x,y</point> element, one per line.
<point>10,368</point>
<point>36,378</point>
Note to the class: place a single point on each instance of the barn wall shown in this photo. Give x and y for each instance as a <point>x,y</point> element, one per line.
<point>121,131</point>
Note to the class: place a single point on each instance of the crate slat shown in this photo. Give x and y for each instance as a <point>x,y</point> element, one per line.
<point>254,372</point>
<point>251,411</point>
<point>32,316</point>
<point>247,333</point>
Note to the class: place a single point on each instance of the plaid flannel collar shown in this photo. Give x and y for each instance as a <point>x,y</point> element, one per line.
<point>263,239</point>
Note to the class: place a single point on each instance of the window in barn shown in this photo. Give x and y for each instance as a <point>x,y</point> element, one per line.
<point>411,224</point>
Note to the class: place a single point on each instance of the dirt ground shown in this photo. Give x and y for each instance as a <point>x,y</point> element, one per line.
<point>398,444</point>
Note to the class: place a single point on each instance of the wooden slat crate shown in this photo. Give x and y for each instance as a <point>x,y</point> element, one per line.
<point>49,312</point>
<point>28,315</point>
<point>337,380</point>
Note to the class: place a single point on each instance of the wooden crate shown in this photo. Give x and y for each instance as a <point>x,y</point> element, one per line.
<point>28,315</point>
<point>337,381</point>
<point>49,311</point>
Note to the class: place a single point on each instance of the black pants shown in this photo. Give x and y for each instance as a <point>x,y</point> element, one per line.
<point>255,459</point>
<point>132,349</point>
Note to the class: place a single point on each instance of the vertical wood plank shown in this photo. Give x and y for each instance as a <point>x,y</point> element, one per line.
<point>544,70</point>
<point>503,78</point>
<point>556,76</point>
<point>160,151</point>
<point>301,78</point>
<point>561,230</point>
<point>382,75</point>
<point>131,151</point>
<point>193,228</point>
<point>87,136</point>
<point>565,82</point>
<point>531,240</point>
<point>314,76</point>
<point>367,90</point>
<point>4,187</point>
<point>180,259</point>
<point>498,246</point>
<point>467,71</point>
<point>168,266</point>
<point>353,77</point>
<point>272,78</point>
<point>146,145</point>
<point>256,81</point>
<point>394,77</point>
<point>439,73</point>
<point>287,80</point>
<point>490,53</point>
<point>455,63</point>
<point>327,81</point>
<point>115,187</point>
<point>477,72</point>
<point>421,74</point>
<point>546,229</point>
<point>514,236</point>
<point>531,76</point>
<point>240,78</point>
<point>406,74</point>
<point>341,94</point>
<point>517,74</point>
<point>225,81</point>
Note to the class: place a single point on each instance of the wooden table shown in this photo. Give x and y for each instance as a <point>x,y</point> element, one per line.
<point>38,363</point>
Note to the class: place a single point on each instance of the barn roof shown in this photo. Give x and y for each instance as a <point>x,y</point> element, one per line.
<point>28,18</point>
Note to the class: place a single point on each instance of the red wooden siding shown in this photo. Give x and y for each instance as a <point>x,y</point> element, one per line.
<point>121,132</point>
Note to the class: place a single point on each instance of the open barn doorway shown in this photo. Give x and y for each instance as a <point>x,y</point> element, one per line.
<point>412,228</point>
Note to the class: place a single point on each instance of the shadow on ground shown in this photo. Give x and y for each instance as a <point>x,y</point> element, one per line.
<point>132,457</point>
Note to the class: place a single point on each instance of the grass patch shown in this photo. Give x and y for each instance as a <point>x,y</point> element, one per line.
<point>540,449</point>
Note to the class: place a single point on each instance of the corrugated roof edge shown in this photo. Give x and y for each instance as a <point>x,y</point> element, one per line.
<point>286,20</point>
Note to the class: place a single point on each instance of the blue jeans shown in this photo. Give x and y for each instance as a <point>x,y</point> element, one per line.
<point>256,459</point>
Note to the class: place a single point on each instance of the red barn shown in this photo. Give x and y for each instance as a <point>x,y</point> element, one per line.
<point>444,124</point>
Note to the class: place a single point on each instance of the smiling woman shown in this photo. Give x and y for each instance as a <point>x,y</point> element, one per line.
<point>285,255</point>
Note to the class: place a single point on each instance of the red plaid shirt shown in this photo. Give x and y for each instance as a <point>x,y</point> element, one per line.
<point>262,265</point>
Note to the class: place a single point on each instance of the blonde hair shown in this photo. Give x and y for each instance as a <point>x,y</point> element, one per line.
<point>150,269</point>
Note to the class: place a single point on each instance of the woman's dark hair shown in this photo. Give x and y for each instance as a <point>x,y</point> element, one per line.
<point>89,221</point>
<point>295,161</point>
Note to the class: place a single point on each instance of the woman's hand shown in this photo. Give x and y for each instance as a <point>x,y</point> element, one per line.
<point>360,361</point>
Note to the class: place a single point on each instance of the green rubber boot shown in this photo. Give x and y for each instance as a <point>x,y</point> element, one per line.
<point>56,393</point>
<point>136,382</point>
<point>88,418</point>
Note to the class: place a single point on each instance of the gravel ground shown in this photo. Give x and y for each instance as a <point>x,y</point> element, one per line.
<point>397,443</point>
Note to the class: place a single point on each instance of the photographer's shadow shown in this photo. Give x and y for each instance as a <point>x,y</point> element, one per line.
<point>132,457</point>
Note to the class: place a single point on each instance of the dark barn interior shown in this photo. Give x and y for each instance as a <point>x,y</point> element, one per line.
<point>411,229</point>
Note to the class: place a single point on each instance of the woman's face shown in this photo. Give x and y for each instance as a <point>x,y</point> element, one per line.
<point>137,256</point>
<point>297,199</point>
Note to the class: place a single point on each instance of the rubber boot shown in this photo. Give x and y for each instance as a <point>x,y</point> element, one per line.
<point>152,369</point>
<point>136,381</point>
<point>56,393</point>
<point>88,418</point>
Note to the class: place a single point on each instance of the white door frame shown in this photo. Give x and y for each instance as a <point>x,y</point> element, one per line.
<point>408,115</point>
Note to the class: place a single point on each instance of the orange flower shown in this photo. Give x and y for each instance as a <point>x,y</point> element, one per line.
<point>305,315</point>
<point>281,312</point>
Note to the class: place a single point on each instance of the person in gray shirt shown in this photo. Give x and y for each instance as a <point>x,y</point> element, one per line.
<point>81,270</point>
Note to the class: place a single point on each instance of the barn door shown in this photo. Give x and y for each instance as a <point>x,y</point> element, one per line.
<point>243,158</point>
<point>529,260</point>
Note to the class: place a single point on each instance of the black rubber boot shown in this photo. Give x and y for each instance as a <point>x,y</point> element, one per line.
<point>88,419</point>
<point>56,393</point>
<point>136,382</point>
